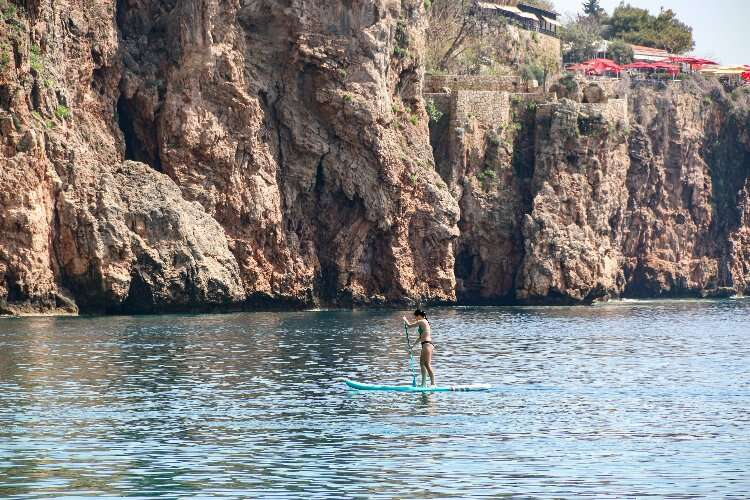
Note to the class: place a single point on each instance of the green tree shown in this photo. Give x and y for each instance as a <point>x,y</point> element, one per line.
<point>675,36</point>
<point>620,52</point>
<point>581,38</point>
<point>664,31</point>
<point>592,9</point>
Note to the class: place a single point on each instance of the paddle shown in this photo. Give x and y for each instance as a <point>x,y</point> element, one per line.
<point>411,358</point>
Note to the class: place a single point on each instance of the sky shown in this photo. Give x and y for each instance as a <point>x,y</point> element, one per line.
<point>721,28</point>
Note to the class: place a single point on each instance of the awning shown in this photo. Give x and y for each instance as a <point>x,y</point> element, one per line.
<point>528,15</point>
<point>725,70</point>
<point>551,21</point>
<point>672,69</point>
<point>487,5</point>
<point>508,9</point>
<point>639,65</point>
<point>693,61</point>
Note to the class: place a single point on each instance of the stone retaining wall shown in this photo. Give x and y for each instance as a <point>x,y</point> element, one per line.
<point>615,110</point>
<point>437,83</point>
<point>488,107</point>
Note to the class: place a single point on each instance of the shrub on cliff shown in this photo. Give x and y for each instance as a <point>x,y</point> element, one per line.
<point>432,110</point>
<point>4,57</point>
<point>531,72</point>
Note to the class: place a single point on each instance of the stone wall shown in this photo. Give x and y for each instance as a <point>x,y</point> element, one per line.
<point>612,87</point>
<point>483,149</point>
<point>614,111</point>
<point>466,113</point>
<point>437,83</point>
<point>487,107</point>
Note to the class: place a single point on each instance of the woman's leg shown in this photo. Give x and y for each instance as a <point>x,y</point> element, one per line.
<point>423,368</point>
<point>427,355</point>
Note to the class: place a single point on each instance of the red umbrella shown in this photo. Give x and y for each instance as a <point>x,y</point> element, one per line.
<point>687,60</point>
<point>639,65</point>
<point>586,69</point>
<point>669,68</point>
<point>602,66</point>
<point>746,76</point>
<point>702,62</point>
<point>693,62</point>
<point>578,67</point>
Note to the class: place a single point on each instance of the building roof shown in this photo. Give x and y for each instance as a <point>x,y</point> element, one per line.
<point>538,11</point>
<point>494,6</point>
<point>640,49</point>
<point>528,15</point>
<point>508,9</point>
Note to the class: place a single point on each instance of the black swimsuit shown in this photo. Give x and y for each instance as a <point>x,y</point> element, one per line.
<point>425,341</point>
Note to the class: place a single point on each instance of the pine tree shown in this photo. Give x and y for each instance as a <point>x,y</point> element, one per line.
<point>592,8</point>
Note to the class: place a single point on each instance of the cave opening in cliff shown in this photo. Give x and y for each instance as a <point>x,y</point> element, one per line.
<point>140,137</point>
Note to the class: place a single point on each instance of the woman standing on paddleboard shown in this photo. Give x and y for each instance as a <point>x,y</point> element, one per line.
<point>425,337</point>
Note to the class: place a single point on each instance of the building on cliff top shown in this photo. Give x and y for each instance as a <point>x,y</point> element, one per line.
<point>527,16</point>
<point>640,53</point>
<point>648,54</point>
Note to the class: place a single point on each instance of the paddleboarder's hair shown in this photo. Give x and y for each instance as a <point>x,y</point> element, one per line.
<point>420,312</point>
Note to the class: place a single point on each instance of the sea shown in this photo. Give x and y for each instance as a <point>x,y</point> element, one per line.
<point>630,399</point>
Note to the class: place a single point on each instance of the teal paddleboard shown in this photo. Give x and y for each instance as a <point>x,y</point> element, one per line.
<point>410,388</point>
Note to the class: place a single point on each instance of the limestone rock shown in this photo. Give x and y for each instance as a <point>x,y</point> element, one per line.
<point>594,94</point>
<point>159,156</point>
<point>275,124</point>
<point>568,87</point>
<point>578,190</point>
<point>129,242</point>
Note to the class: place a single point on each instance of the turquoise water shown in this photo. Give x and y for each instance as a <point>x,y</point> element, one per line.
<point>619,401</point>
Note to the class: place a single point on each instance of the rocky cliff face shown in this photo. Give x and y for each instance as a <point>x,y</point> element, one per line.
<point>282,148</point>
<point>161,156</point>
<point>578,196</point>
<point>661,211</point>
<point>644,196</point>
<point>688,182</point>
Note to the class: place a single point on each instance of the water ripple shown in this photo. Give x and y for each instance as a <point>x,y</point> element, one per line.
<point>631,399</point>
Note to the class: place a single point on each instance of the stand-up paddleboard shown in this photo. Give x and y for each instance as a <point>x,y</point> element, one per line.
<point>410,388</point>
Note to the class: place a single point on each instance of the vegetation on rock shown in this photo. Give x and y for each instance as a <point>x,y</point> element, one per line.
<point>459,41</point>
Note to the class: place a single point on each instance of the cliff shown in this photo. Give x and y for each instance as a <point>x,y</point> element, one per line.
<point>164,155</point>
<point>199,155</point>
<point>631,191</point>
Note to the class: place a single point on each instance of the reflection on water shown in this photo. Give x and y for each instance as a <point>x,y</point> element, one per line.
<point>623,400</point>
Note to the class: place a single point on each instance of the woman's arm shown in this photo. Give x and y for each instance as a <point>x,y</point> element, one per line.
<point>410,325</point>
<point>424,330</point>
